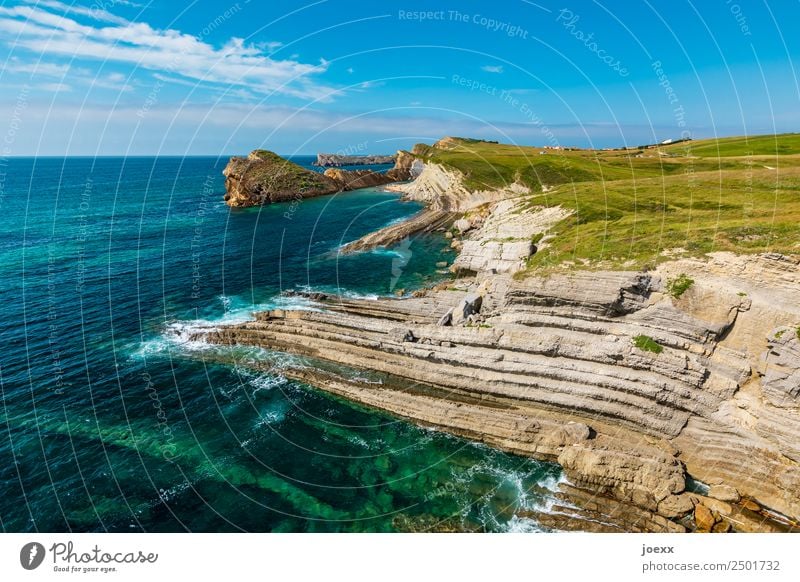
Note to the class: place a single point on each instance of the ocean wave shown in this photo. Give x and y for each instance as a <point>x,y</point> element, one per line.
<point>507,492</point>
<point>266,420</point>
<point>521,525</point>
<point>177,336</point>
<point>266,382</point>
<point>239,310</point>
<point>398,220</point>
<point>400,253</point>
<point>334,291</point>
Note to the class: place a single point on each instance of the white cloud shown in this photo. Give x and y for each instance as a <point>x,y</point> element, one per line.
<point>202,128</point>
<point>37,68</point>
<point>229,91</point>
<point>95,12</point>
<point>492,68</point>
<point>167,51</point>
<point>226,117</point>
<point>66,72</point>
<point>270,47</point>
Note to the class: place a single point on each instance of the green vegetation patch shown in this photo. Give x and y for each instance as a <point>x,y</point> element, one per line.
<point>647,344</point>
<point>680,285</point>
<point>270,172</point>
<point>758,145</point>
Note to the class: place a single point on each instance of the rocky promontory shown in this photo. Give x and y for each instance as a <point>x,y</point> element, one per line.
<point>264,177</point>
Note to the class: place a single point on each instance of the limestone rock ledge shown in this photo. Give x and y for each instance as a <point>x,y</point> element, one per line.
<point>549,367</point>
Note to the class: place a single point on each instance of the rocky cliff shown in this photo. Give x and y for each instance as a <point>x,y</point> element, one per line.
<point>669,395</point>
<point>356,179</point>
<point>444,194</point>
<point>264,177</point>
<point>557,368</point>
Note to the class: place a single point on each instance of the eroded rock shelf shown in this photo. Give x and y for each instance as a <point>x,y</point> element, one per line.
<point>549,368</point>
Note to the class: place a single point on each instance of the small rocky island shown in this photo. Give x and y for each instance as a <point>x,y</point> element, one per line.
<point>665,383</point>
<point>264,177</point>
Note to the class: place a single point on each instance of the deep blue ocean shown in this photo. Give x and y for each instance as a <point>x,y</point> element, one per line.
<point>110,421</point>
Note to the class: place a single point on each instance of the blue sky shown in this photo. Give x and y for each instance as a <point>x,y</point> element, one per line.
<point>106,77</point>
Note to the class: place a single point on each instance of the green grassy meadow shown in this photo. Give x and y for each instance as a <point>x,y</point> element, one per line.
<point>630,206</point>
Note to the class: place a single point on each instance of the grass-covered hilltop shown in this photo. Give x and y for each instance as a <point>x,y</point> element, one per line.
<point>637,207</point>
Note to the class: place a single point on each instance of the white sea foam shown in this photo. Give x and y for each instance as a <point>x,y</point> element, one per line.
<point>335,292</point>
<point>226,302</point>
<point>266,420</point>
<point>399,220</point>
<point>521,525</point>
<point>390,252</point>
<point>177,336</point>
<point>267,382</point>
<point>357,440</point>
<point>508,495</point>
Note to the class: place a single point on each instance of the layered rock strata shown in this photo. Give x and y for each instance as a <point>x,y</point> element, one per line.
<point>443,193</point>
<point>356,179</point>
<point>550,368</point>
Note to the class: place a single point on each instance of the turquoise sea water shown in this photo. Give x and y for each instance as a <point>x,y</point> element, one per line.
<point>109,421</point>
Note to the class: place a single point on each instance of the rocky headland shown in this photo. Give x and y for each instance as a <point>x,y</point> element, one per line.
<point>264,177</point>
<point>670,394</point>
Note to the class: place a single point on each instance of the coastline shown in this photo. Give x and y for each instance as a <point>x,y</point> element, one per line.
<point>552,368</point>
